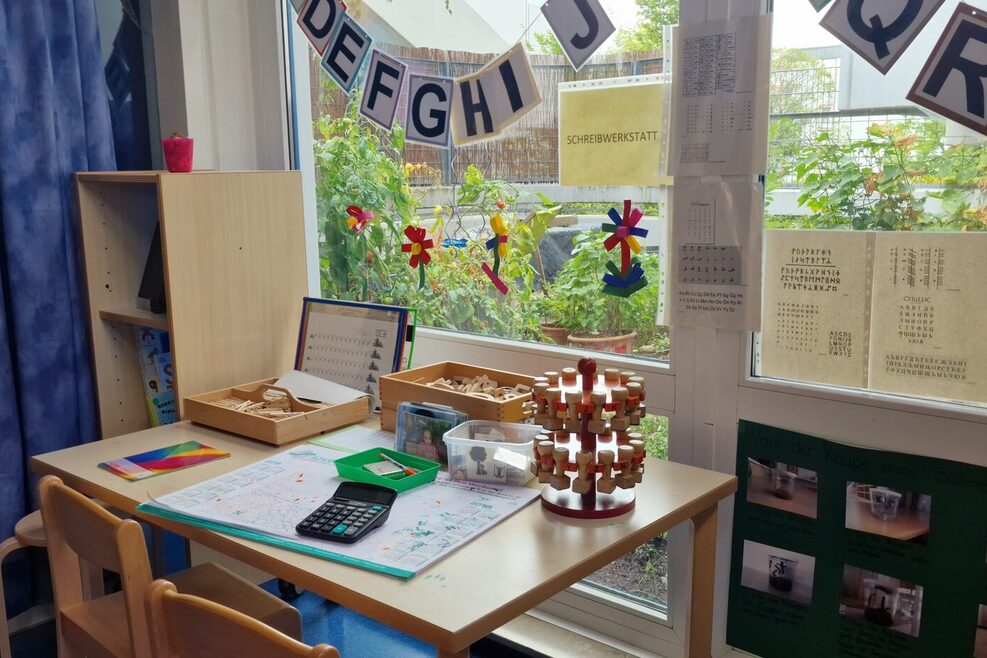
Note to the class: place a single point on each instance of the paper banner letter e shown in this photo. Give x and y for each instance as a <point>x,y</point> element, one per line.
<point>347,50</point>
<point>582,26</point>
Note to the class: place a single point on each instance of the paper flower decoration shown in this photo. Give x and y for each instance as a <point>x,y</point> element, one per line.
<point>497,244</point>
<point>358,218</point>
<point>630,277</point>
<point>418,247</point>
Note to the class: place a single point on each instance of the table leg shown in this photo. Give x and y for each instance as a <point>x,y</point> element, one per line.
<point>699,638</point>
<point>441,653</point>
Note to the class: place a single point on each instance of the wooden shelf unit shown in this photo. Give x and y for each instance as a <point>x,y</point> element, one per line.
<point>233,248</point>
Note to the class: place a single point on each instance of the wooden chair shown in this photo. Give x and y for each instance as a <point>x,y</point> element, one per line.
<point>29,531</point>
<point>185,626</point>
<point>80,531</point>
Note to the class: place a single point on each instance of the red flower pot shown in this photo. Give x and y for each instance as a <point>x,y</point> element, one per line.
<point>178,154</point>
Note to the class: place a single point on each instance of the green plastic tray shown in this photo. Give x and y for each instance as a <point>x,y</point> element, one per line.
<point>351,468</point>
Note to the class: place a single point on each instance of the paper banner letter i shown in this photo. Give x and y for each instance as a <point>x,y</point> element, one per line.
<point>358,218</point>
<point>582,26</point>
<point>346,52</point>
<point>318,19</point>
<point>497,244</point>
<point>418,247</point>
<point>625,232</point>
<point>383,88</point>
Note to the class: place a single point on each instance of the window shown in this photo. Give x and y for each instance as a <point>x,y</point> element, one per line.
<point>556,258</point>
<point>875,226</point>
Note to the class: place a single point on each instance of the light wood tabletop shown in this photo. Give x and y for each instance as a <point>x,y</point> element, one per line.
<point>509,569</point>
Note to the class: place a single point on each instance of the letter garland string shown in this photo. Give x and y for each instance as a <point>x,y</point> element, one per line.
<point>418,248</point>
<point>497,244</point>
<point>358,218</point>
<point>630,277</point>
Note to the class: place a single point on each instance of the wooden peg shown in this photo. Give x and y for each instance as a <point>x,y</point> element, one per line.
<point>552,377</point>
<point>569,375</point>
<point>551,421</point>
<point>611,376</point>
<point>606,483</point>
<point>619,422</point>
<point>560,480</point>
<point>633,407</point>
<point>625,376</point>
<point>540,380</point>
<point>546,461</point>
<point>573,423</point>
<point>584,479</point>
<point>637,468</point>
<point>597,425</point>
<point>626,478</point>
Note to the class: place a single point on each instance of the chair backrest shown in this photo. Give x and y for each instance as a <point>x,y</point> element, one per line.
<point>186,626</point>
<point>79,529</point>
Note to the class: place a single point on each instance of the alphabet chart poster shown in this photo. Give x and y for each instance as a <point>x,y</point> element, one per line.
<point>352,344</point>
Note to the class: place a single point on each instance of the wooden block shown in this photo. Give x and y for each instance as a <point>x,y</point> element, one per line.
<point>584,479</point>
<point>606,483</point>
<point>625,376</point>
<point>546,462</point>
<point>611,375</point>
<point>569,375</point>
<point>552,422</point>
<point>573,423</point>
<point>637,470</point>
<point>626,478</point>
<point>560,480</point>
<point>597,425</point>
<point>620,422</point>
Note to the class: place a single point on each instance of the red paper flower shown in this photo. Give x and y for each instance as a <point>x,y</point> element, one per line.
<point>418,246</point>
<point>358,218</point>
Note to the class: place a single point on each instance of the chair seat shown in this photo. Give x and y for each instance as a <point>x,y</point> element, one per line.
<point>97,628</point>
<point>220,585</point>
<point>30,530</point>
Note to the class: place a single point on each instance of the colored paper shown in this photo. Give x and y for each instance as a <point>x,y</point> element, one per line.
<point>346,52</point>
<point>318,19</point>
<point>429,110</point>
<point>385,77</point>
<point>497,96</point>
<point>846,552</point>
<point>879,30</point>
<point>601,147</point>
<point>163,460</point>
<point>582,26</point>
<point>952,81</point>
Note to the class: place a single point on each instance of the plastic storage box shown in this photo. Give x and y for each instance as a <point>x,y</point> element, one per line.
<point>488,451</point>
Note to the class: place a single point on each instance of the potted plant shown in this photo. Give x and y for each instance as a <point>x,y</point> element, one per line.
<point>594,320</point>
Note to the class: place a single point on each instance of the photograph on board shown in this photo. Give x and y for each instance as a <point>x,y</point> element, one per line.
<point>875,598</point>
<point>980,648</point>
<point>783,486</point>
<point>785,574</point>
<point>894,513</point>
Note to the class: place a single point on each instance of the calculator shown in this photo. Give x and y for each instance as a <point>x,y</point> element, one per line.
<point>354,510</point>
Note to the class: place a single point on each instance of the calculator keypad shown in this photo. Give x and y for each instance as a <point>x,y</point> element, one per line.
<point>341,520</point>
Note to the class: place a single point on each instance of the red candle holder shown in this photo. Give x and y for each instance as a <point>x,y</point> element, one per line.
<point>178,154</point>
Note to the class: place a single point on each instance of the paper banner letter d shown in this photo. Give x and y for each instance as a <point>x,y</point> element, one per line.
<point>582,26</point>
<point>318,19</point>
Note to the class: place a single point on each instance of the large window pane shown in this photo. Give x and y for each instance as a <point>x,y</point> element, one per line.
<point>876,216</point>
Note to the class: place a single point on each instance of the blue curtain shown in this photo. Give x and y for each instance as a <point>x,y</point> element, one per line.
<point>54,120</point>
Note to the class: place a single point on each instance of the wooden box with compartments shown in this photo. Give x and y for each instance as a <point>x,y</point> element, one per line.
<point>480,393</point>
<point>270,413</point>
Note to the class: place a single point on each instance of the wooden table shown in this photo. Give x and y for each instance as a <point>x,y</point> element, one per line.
<point>509,569</point>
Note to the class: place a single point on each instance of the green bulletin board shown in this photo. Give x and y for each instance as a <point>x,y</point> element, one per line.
<point>847,552</point>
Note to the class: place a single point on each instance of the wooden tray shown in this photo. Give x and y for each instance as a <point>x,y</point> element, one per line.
<point>410,386</point>
<point>316,419</point>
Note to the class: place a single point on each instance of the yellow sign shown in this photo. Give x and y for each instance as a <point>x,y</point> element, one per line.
<point>612,135</point>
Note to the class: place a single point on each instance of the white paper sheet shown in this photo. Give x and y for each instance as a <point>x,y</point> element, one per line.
<point>715,272</point>
<point>720,98</point>
<point>272,496</point>
<point>309,387</point>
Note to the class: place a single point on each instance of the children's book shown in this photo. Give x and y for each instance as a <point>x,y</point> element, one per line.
<point>163,460</point>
